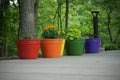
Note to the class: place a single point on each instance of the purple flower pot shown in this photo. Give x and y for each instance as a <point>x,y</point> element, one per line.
<point>92,45</point>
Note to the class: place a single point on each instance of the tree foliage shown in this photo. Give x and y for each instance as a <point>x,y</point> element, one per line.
<point>53,12</point>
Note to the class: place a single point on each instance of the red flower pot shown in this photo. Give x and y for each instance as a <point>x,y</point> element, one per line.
<point>28,49</point>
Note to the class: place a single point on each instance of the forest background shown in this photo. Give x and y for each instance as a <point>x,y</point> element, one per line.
<point>54,12</point>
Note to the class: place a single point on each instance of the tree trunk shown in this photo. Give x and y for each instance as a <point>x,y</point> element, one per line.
<point>4,4</point>
<point>27,19</point>
<point>109,30</point>
<point>59,14</point>
<point>117,35</point>
<point>67,10</point>
<point>36,4</point>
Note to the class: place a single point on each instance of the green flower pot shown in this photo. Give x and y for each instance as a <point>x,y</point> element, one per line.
<point>75,47</point>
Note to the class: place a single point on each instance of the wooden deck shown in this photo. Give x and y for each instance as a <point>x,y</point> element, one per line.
<point>102,66</point>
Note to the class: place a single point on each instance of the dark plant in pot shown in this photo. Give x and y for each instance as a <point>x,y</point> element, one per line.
<point>28,47</point>
<point>74,43</point>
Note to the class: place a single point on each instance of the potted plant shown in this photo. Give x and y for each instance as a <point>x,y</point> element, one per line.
<point>52,44</point>
<point>92,44</point>
<point>74,43</point>
<point>28,47</point>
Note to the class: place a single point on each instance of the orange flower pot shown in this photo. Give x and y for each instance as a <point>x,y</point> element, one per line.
<point>28,49</point>
<point>51,48</point>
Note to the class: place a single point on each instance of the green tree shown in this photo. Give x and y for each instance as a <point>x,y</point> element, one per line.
<point>111,7</point>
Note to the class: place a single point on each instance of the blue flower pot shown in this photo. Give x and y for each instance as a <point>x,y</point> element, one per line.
<point>92,45</point>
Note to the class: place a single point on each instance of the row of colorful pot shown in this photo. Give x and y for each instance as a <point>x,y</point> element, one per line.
<point>54,48</point>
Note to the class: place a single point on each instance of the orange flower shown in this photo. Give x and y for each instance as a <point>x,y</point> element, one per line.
<point>46,28</point>
<point>58,32</point>
<point>53,27</point>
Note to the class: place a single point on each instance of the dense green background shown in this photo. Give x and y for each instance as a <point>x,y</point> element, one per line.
<point>79,17</point>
